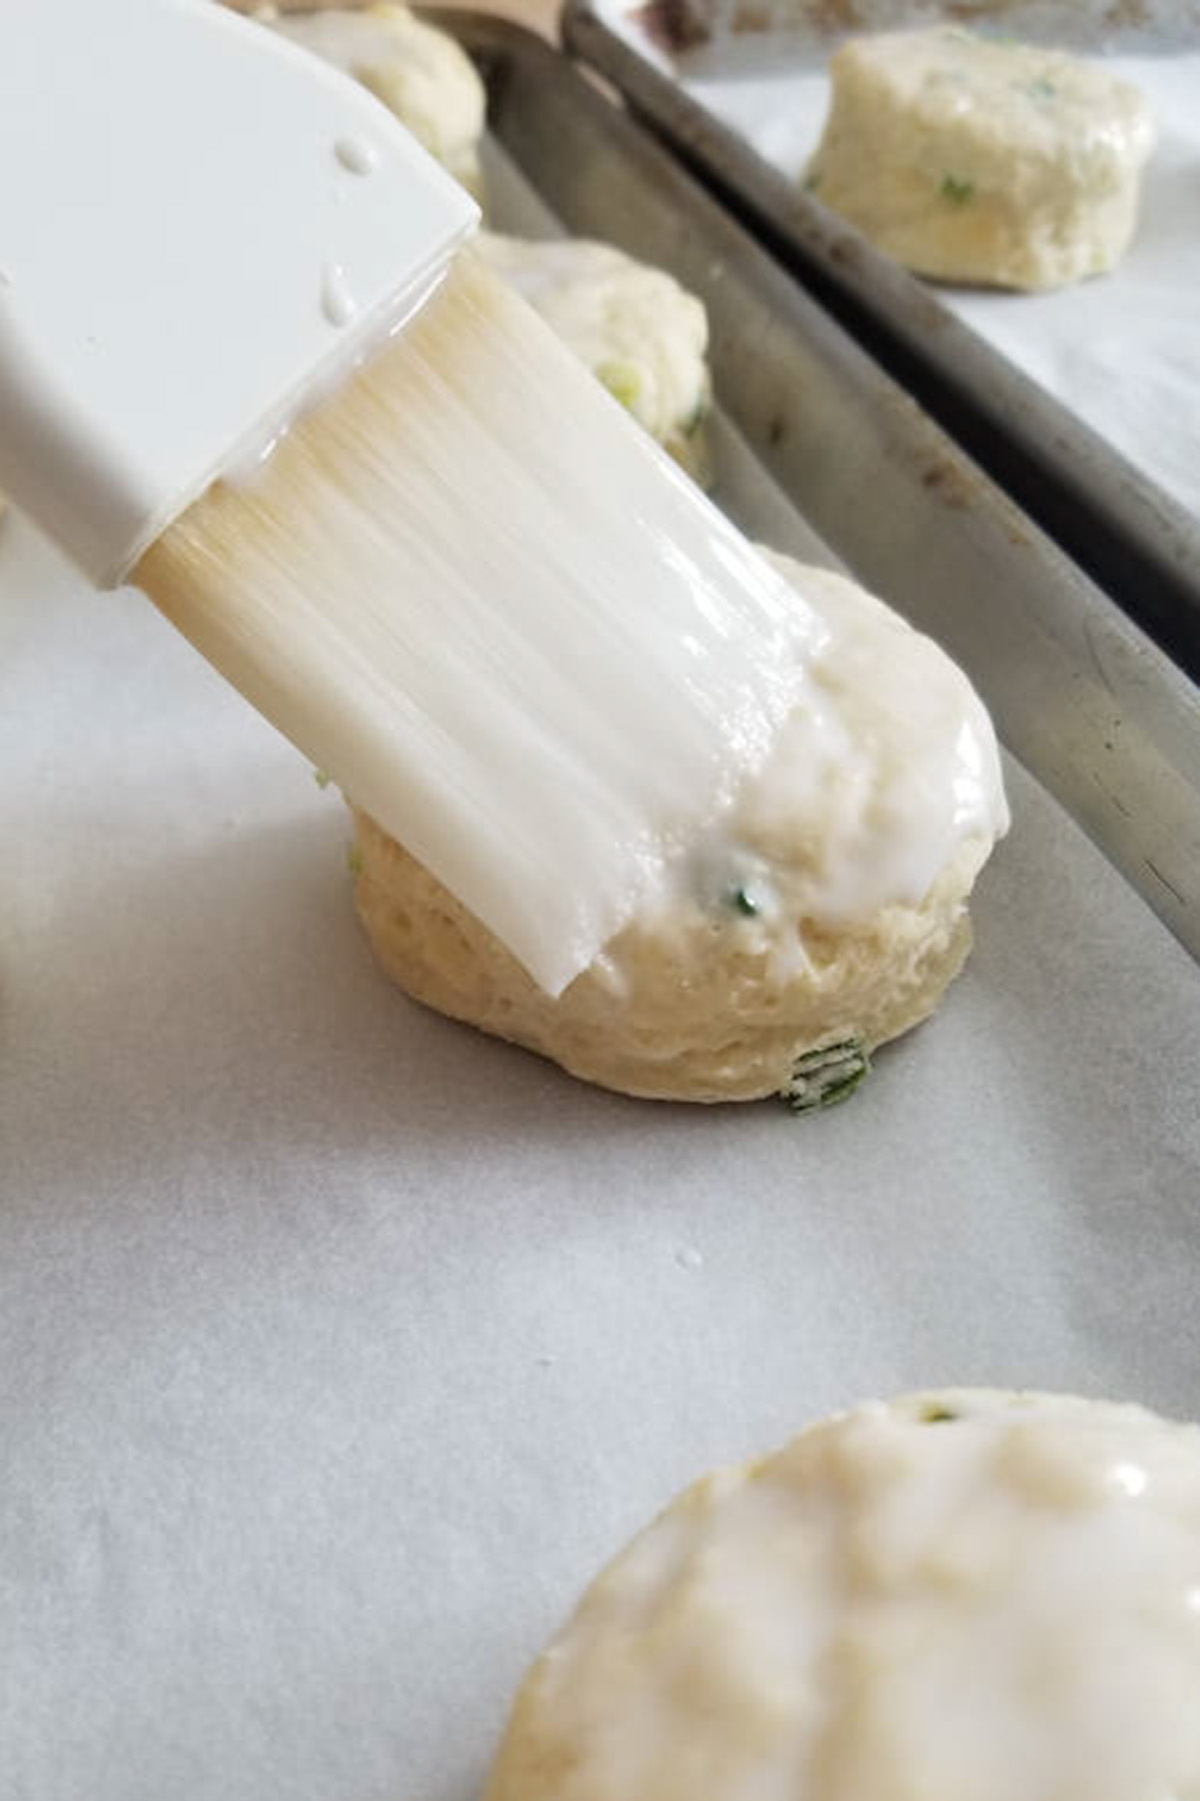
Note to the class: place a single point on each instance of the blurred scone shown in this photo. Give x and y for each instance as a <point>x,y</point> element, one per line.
<point>642,334</point>
<point>983,161</point>
<point>968,1596</point>
<point>422,74</point>
<point>824,913</point>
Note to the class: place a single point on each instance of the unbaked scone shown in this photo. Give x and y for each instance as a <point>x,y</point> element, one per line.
<point>978,160</point>
<point>825,913</point>
<point>963,1596</point>
<point>644,336</point>
<point>421,73</point>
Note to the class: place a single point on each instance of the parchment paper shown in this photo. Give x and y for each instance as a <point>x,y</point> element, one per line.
<point>1122,351</point>
<point>339,1345</point>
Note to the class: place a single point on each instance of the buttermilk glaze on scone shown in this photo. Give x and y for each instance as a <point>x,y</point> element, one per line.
<point>977,160</point>
<point>961,1596</point>
<point>825,912</point>
<point>421,73</point>
<point>633,326</point>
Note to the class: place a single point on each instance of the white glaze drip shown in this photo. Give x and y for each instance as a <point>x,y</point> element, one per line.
<point>337,302</point>
<point>357,155</point>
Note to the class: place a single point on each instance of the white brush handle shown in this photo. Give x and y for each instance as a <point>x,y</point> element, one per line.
<point>202,228</point>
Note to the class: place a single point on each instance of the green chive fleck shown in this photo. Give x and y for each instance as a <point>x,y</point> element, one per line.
<point>623,382</point>
<point>956,191</point>
<point>840,1091</point>
<point>322,778</point>
<point>827,1076</point>
<point>354,860</point>
<point>744,902</point>
<point>935,1414</point>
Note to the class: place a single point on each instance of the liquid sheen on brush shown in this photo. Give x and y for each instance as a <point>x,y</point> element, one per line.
<point>566,662</point>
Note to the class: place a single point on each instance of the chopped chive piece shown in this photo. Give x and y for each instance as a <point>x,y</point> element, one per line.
<point>839,1091</point>
<point>826,1076</point>
<point>956,191</point>
<point>744,902</point>
<point>322,778</point>
<point>826,1054</point>
<point>935,1414</point>
<point>354,860</point>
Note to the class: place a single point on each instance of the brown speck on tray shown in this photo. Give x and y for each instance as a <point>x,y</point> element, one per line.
<point>1170,887</point>
<point>674,25</point>
<point>948,482</point>
<point>755,15</point>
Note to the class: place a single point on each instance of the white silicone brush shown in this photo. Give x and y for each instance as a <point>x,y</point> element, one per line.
<point>463,583</point>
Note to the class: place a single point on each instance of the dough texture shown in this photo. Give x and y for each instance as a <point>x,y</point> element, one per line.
<point>982,161</point>
<point>961,1596</point>
<point>824,916</point>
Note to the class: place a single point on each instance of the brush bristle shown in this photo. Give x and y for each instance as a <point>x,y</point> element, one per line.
<point>507,626</point>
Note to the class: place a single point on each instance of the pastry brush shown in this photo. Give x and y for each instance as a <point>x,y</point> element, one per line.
<point>246,364</point>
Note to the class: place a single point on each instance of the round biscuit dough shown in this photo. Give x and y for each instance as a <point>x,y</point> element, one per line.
<point>693,1001</point>
<point>981,161</point>
<point>959,1596</point>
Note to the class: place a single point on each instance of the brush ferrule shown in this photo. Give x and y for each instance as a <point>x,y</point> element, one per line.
<point>205,229</point>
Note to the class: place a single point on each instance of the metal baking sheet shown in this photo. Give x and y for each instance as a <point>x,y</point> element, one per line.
<point>338,1344</point>
<point>744,107</point>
